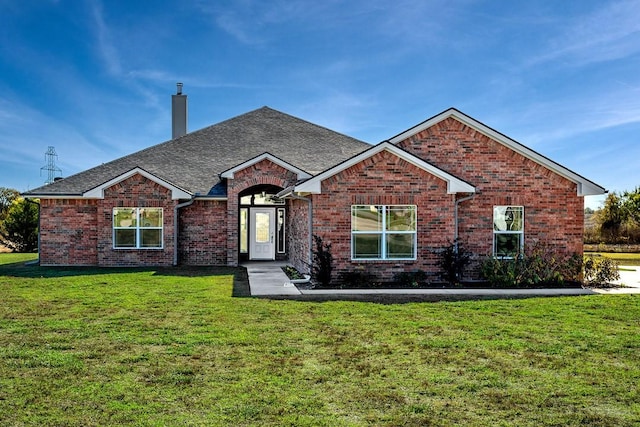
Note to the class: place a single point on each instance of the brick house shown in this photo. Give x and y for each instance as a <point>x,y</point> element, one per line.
<point>260,185</point>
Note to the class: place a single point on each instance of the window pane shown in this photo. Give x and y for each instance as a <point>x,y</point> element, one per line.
<point>280,241</point>
<point>508,218</point>
<point>400,245</point>
<point>367,246</point>
<point>267,199</point>
<point>151,217</point>
<point>401,218</point>
<point>507,245</point>
<point>124,217</point>
<point>124,238</point>
<point>151,238</point>
<point>366,218</point>
<point>244,231</point>
<point>262,227</point>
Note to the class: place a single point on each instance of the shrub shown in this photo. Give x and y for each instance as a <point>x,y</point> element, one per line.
<point>358,279</point>
<point>452,261</point>
<point>600,271</point>
<point>322,267</point>
<point>292,272</point>
<point>502,273</point>
<point>541,266</point>
<point>410,279</point>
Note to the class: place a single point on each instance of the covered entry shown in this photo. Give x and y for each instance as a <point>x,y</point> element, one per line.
<point>262,224</point>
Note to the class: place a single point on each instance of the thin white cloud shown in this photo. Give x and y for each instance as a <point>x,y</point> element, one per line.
<point>28,133</point>
<point>341,111</point>
<point>610,32</point>
<point>107,49</point>
<point>569,118</point>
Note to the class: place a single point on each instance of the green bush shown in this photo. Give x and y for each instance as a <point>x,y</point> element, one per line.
<point>539,267</point>
<point>600,271</point>
<point>322,267</point>
<point>452,261</point>
<point>358,279</point>
<point>411,279</point>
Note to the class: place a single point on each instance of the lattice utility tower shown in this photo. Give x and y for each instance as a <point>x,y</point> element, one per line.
<point>51,168</point>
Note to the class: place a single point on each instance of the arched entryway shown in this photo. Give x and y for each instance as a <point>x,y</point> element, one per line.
<point>262,222</point>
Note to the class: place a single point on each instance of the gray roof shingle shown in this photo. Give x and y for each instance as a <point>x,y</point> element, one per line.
<point>194,161</point>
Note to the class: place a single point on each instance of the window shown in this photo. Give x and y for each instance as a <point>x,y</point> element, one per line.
<point>281,232</point>
<point>244,230</point>
<point>383,232</point>
<point>508,231</point>
<point>137,228</point>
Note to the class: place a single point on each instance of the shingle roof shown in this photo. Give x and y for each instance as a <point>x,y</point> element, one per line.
<point>194,161</point>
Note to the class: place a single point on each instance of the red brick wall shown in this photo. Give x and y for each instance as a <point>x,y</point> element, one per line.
<point>384,179</point>
<point>298,234</point>
<point>136,191</point>
<point>553,210</point>
<point>203,233</point>
<point>68,232</point>
<point>262,172</point>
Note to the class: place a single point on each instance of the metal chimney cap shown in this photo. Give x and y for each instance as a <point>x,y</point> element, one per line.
<point>179,88</point>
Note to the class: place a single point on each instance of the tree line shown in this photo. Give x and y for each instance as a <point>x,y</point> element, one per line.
<point>618,221</point>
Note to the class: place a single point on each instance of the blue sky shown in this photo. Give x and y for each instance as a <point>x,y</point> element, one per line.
<point>94,78</point>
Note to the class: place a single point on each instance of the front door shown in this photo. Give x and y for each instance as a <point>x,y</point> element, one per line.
<point>262,241</point>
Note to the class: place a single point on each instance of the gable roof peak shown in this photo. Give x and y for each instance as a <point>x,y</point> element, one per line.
<point>585,186</point>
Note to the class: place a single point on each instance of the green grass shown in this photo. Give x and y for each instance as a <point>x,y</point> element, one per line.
<point>621,258</point>
<point>90,347</point>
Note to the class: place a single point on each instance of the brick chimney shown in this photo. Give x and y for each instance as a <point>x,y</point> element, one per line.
<point>178,113</point>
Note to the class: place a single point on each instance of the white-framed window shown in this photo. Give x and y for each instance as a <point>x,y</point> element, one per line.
<point>508,231</point>
<point>280,237</point>
<point>137,228</point>
<point>383,232</point>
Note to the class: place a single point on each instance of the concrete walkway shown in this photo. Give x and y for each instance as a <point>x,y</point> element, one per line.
<point>268,279</point>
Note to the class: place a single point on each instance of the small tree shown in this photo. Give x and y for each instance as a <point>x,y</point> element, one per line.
<point>610,218</point>
<point>322,262</point>
<point>631,205</point>
<point>7,196</point>
<point>19,228</point>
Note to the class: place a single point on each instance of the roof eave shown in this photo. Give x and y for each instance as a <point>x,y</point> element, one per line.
<point>230,173</point>
<point>97,192</point>
<point>454,185</point>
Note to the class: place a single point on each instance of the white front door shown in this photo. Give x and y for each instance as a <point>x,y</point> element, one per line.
<point>262,241</point>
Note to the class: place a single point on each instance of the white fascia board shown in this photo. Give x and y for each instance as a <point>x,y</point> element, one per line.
<point>229,173</point>
<point>52,196</point>
<point>454,185</point>
<point>98,192</point>
<point>585,186</point>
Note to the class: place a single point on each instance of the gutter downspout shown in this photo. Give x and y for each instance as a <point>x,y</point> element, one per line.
<point>176,228</point>
<point>455,220</point>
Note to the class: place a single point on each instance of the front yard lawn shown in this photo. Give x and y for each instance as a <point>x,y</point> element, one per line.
<point>93,347</point>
